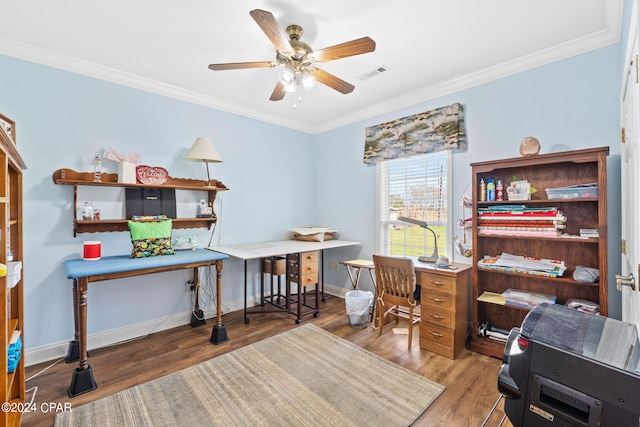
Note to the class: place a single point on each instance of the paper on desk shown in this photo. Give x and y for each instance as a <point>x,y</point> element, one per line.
<point>316,234</point>
<point>305,231</point>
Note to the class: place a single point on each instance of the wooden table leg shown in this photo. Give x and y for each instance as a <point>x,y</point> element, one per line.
<point>219,334</point>
<point>73,351</point>
<point>82,378</point>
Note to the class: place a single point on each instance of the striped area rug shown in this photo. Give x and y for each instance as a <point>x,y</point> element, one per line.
<point>303,377</point>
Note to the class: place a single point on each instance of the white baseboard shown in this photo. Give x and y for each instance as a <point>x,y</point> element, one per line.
<point>55,351</point>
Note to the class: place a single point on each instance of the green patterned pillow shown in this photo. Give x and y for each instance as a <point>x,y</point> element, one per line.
<point>151,238</point>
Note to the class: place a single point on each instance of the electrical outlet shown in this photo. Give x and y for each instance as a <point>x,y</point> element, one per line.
<point>189,286</point>
<point>333,265</point>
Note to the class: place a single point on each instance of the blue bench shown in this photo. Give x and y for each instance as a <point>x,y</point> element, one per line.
<point>121,266</point>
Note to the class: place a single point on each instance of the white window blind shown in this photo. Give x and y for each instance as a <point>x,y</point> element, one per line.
<point>416,187</point>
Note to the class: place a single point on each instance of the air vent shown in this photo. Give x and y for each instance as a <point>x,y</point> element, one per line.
<point>375,72</point>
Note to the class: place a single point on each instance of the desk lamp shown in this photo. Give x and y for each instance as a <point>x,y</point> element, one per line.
<point>434,256</point>
<point>204,151</point>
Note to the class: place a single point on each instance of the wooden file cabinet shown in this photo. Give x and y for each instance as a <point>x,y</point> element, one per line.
<point>444,300</point>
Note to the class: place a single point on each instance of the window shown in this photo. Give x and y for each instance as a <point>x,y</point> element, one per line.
<point>416,187</point>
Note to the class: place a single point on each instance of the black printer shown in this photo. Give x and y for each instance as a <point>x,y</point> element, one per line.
<point>564,367</point>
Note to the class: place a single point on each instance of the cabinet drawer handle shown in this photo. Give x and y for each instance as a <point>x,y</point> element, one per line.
<point>435,334</point>
<point>438,283</point>
<point>435,316</point>
<point>437,299</point>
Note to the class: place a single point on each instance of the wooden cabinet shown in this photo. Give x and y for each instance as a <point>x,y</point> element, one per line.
<point>12,385</point>
<point>71,177</point>
<point>544,171</point>
<point>444,302</point>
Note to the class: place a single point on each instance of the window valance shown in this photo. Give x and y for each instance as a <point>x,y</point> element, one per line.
<point>428,132</point>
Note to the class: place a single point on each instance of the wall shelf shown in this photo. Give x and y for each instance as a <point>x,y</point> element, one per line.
<point>76,179</point>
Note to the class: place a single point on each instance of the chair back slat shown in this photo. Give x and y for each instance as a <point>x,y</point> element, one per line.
<point>395,284</point>
<point>395,277</point>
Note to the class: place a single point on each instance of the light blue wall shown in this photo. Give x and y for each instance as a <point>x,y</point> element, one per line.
<point>567,105</point>
<point>64,118</point>
<point>277,177</point>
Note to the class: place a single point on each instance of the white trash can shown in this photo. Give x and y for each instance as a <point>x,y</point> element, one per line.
<point>358,303</point>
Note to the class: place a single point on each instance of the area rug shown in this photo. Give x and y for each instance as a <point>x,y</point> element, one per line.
<point>303,377</point>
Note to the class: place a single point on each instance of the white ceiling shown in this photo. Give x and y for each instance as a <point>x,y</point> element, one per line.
<point>431,47</point>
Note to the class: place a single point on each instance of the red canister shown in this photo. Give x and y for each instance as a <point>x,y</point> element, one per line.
<point>92,250</point>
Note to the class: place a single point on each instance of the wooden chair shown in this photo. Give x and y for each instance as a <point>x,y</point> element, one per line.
<point>395,284</point>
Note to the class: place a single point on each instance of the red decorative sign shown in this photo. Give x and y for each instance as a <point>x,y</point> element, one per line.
<point>151,174</point>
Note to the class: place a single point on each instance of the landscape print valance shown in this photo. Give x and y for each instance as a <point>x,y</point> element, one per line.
<point>428,132</point>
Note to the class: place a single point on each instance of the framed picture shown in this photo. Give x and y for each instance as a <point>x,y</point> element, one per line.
<point>9,126</point>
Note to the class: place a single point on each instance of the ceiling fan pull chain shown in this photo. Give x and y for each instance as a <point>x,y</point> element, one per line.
<point>297,96</point>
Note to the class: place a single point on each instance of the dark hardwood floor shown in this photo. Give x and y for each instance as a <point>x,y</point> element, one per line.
<point>470,379</point>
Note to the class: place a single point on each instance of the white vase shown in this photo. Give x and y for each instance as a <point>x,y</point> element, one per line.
<point>127,173</point>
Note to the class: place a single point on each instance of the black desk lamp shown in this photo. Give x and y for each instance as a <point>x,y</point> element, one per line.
<point>434,256</point>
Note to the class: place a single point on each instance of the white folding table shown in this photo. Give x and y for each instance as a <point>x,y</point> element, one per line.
<point>278,248</point>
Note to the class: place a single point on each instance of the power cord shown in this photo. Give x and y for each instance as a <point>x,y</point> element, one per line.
<point>215,224</point>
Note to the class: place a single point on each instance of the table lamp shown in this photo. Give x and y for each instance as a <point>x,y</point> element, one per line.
<point>203,151</point>
<point>424,258</point>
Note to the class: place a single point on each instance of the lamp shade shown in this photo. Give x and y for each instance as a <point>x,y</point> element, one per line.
<point>203,151</point>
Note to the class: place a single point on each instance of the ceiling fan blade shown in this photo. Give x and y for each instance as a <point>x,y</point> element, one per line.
<point>269,25</point>
<point>343,50</point>
<point>278,92</point>
<point>332,81</point>
<point>241,65</point>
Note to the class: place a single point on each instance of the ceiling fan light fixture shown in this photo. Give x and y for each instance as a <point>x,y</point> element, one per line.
<point>307,79</point>
<point>290,88</point>
<point>287,76</point>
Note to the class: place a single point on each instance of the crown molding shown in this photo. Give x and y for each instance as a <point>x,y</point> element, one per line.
<point>608,36</point>
<point>90,69</point>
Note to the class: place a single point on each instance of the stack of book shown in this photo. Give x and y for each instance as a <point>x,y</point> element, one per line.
<point>523,265</point>
<point>520,220</point>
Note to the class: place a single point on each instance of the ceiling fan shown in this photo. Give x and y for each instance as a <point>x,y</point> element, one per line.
<point>297,59</point>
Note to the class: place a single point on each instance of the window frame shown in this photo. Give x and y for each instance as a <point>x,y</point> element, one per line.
<point>444,239</point>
